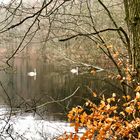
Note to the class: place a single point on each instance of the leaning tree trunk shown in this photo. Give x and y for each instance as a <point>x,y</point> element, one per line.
<point>132,11</point>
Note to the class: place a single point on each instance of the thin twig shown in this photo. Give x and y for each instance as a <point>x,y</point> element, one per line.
<point>10,103</point>
<point>56,101</point>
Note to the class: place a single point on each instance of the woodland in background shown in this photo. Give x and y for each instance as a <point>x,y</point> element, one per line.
<point>95,32</point>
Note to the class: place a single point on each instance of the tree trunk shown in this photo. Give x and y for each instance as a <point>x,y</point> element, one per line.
<point>132,11</point>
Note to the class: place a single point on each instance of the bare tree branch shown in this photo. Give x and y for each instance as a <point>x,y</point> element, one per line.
<point>29,17</point>
<point>95,33</point>
<point>37,14</point>
<point>127,41</point>
<point>56,101</point>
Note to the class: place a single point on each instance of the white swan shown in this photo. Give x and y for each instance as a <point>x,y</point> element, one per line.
<point>74,70</point>
<point>32,74</point>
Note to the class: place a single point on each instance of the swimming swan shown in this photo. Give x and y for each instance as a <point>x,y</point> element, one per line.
<point>74,70</point>
<point>32,74</point>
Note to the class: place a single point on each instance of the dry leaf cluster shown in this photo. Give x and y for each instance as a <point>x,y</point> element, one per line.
<point>106,121</point>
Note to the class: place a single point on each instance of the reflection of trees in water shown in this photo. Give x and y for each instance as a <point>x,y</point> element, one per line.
<point>88,85</point>
<point>53,84</point>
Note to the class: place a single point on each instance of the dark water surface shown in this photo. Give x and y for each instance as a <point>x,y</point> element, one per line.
<point>51,83</point>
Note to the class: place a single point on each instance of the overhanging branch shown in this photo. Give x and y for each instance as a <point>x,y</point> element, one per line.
<point>96,33</point>
<point>29,17</point>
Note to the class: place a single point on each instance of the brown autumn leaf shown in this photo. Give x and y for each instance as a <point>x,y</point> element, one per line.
<point>115,55</point>
<point>83,117</point>
<point>127,97</point>
<point>119,77</point>
<point>75,137</point>
<point>137,95</point>
<point>138,103</point>
<point>137,88</point>
<point>109,46</point>
<point>93,72</point>
<point>94,94</point>
<point>108,120</point>
<point>122,113</point>
<point>129,109</point>
<point>113,108</point>
<point>129,78</point>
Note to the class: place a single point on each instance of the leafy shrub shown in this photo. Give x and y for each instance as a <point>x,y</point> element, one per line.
<point>108,120</point>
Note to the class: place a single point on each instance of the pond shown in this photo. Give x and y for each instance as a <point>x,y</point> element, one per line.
<point>35,107</point>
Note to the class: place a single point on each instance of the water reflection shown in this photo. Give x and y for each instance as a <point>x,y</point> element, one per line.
<point>52,82</point>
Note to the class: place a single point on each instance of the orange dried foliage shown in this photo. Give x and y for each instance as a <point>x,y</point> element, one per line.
<point>105,120</point>
<point>137,88</point>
